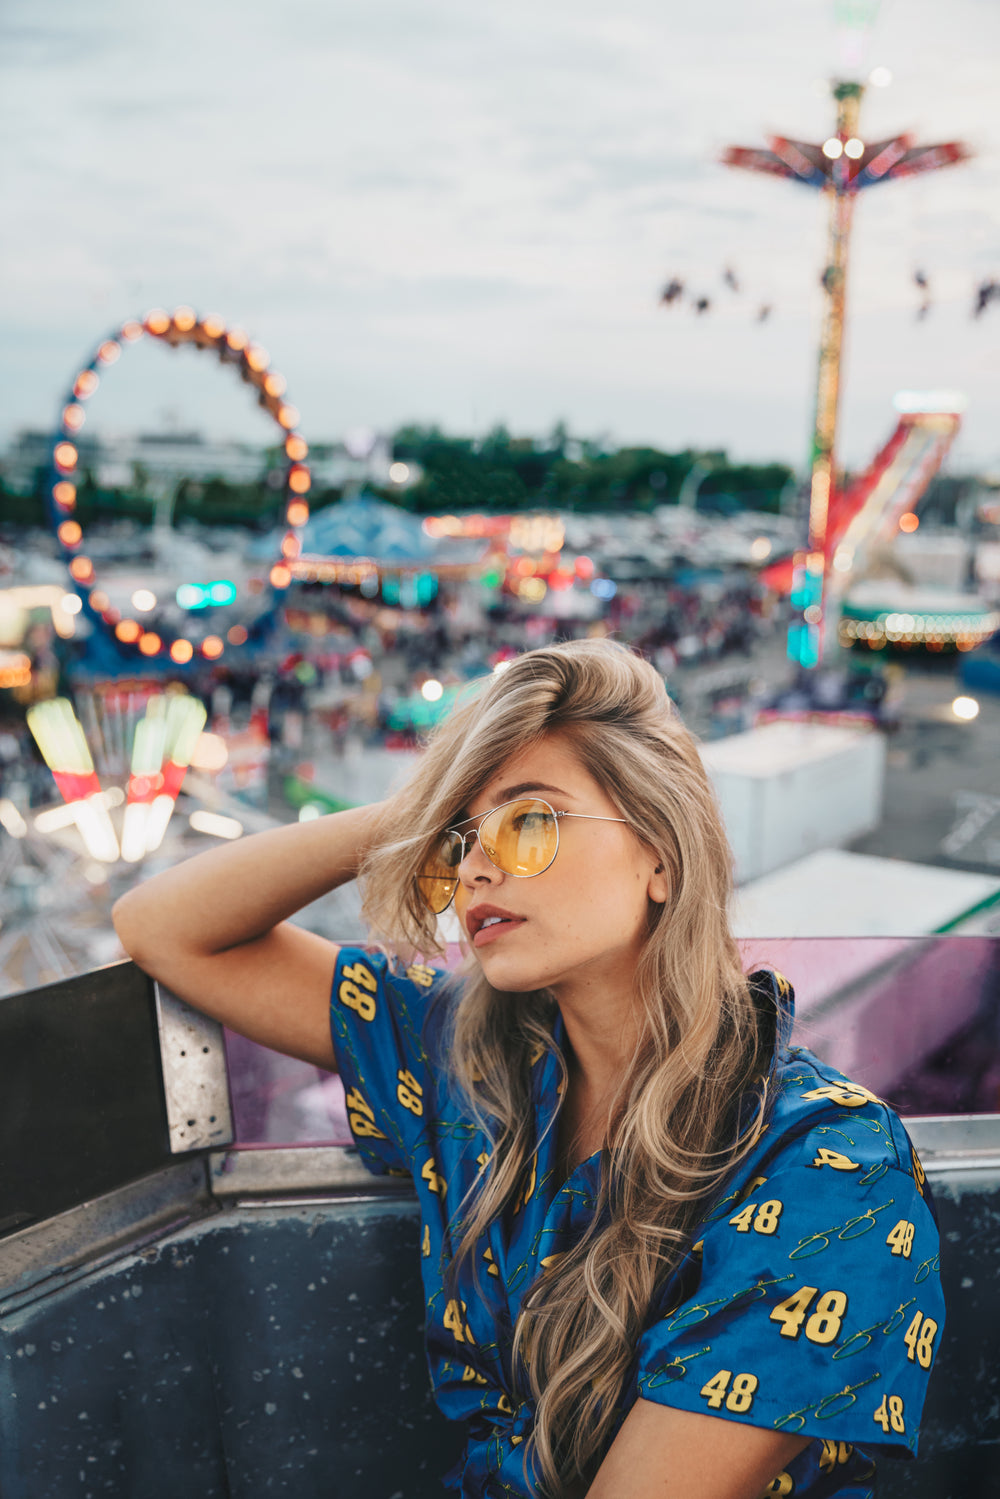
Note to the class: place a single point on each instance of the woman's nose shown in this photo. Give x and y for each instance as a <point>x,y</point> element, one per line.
<point>474,865</point>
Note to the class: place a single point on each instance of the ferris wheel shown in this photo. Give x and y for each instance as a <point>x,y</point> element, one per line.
<point>235,350</point>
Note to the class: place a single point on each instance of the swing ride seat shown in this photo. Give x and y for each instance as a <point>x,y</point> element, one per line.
<point>182,1316</point>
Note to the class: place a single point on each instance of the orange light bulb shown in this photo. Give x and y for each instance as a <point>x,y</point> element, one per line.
<point>157,322</point>
<point>184,319</point>
<point>296,447</point>
<point>275,384</point>
<point>299,480</point>
<point>70,533</point>
<point>64,494</point>
<point>257,358</point>
<point>212,647</point>
<point>237,635</point>
<point>288,416</point>
<point>73,417</point>
<point>65,455</point>
<point>128,631</point>
<point>150,643</point>
<point>181,651</point>
<point>280,575</point>
<point>109,352</point>
<point>213,325</point>
<point>131,331</point>
<point>297,513</point>
<point>85,384</point>
<point>81,568</point>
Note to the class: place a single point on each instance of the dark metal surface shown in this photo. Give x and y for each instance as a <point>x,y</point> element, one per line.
<point>960,1436</point>
<point>81,1097</point>
<point>277,1351</point>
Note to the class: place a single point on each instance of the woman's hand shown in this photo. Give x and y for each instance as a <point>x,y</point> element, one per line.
<point>215,930</point>
<point>664,1453</point>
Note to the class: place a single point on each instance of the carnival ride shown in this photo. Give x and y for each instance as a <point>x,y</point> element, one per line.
<point>197,641</point>
<point>840,167</point>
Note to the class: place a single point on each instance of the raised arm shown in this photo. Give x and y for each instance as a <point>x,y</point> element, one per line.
<point>215,929</point>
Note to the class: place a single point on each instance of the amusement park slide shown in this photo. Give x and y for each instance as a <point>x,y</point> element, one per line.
<point>865,513</point>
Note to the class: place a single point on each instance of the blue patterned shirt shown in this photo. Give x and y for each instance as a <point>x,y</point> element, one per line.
<point>809,1302</point>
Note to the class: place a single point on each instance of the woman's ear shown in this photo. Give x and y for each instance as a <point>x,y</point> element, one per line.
<point>658,888</point>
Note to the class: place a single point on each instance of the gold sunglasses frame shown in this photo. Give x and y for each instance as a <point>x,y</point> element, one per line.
<point>474,833</point>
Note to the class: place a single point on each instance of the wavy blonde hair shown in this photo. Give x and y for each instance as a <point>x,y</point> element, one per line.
<point>675,1131</point>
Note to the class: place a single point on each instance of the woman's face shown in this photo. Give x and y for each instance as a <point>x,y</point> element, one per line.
<point>578,928</point>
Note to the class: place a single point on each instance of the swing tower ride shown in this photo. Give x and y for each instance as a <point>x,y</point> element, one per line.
<point>840,167</point>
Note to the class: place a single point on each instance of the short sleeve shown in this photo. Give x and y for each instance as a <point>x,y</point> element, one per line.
<point>819,1309</point>
<point>377,1021</point>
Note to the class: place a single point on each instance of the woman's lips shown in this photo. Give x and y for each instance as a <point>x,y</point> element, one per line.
<point>487,934</point>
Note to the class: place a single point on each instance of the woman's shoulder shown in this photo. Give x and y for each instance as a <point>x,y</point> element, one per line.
<point>809,1097</point>
<point>387,992</point>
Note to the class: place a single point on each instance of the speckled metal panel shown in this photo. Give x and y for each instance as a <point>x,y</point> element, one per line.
<point>261,1351</point>
<point>960,1438</point>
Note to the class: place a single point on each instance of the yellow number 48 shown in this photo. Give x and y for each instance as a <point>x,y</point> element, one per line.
<point>738,1399</point>
<point>890,1414</point>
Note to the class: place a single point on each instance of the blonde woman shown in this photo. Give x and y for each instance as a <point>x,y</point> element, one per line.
<point>662,1252</point>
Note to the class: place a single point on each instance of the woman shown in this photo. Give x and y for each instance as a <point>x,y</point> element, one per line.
<point>662,1253</point>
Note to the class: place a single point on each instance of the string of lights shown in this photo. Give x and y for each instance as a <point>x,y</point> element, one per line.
<point>234,348</point>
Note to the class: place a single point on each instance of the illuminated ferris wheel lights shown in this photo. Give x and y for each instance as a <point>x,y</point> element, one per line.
<point>65,455</point>
<point>833,148</point>
<point>149,643</point>
<point>70,533</point>
<point>157,321</point>
<point>181,651</point>
<point>275,384</point>
<point>257,358</point>
<point>236,339</point>
<point>296,447</point>
<point>109,352</point>
<point>280,575</point>
<point>64,494</point>
<point>299,480</point>
<point>73,417</point>
<point>85,384</point>
<point>288,416</point>
<point>128,631</point>
<point>297,513</point>
<point>213,325</point>
<point>212,647</point>
<point>82,569</point>
<point>184,319</point>
<point>854,148</point>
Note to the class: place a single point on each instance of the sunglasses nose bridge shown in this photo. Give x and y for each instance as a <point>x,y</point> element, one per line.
<point>472,841</point>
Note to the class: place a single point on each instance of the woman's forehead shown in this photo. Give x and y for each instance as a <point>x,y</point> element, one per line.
<point>547,768</point>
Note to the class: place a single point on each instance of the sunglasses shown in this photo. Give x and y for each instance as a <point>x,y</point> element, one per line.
<point>520,838</point>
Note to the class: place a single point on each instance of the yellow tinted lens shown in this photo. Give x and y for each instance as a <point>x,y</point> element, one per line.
<point>438,878</point>
<point>520,838</point>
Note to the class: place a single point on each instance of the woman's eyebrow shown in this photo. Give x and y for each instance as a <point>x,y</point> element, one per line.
<point>508,793</point>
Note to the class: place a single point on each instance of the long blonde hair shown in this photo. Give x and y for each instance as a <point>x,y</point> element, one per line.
<point>674,1132</point>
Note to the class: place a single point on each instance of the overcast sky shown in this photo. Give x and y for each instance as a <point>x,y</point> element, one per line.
<point>436,210</point>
